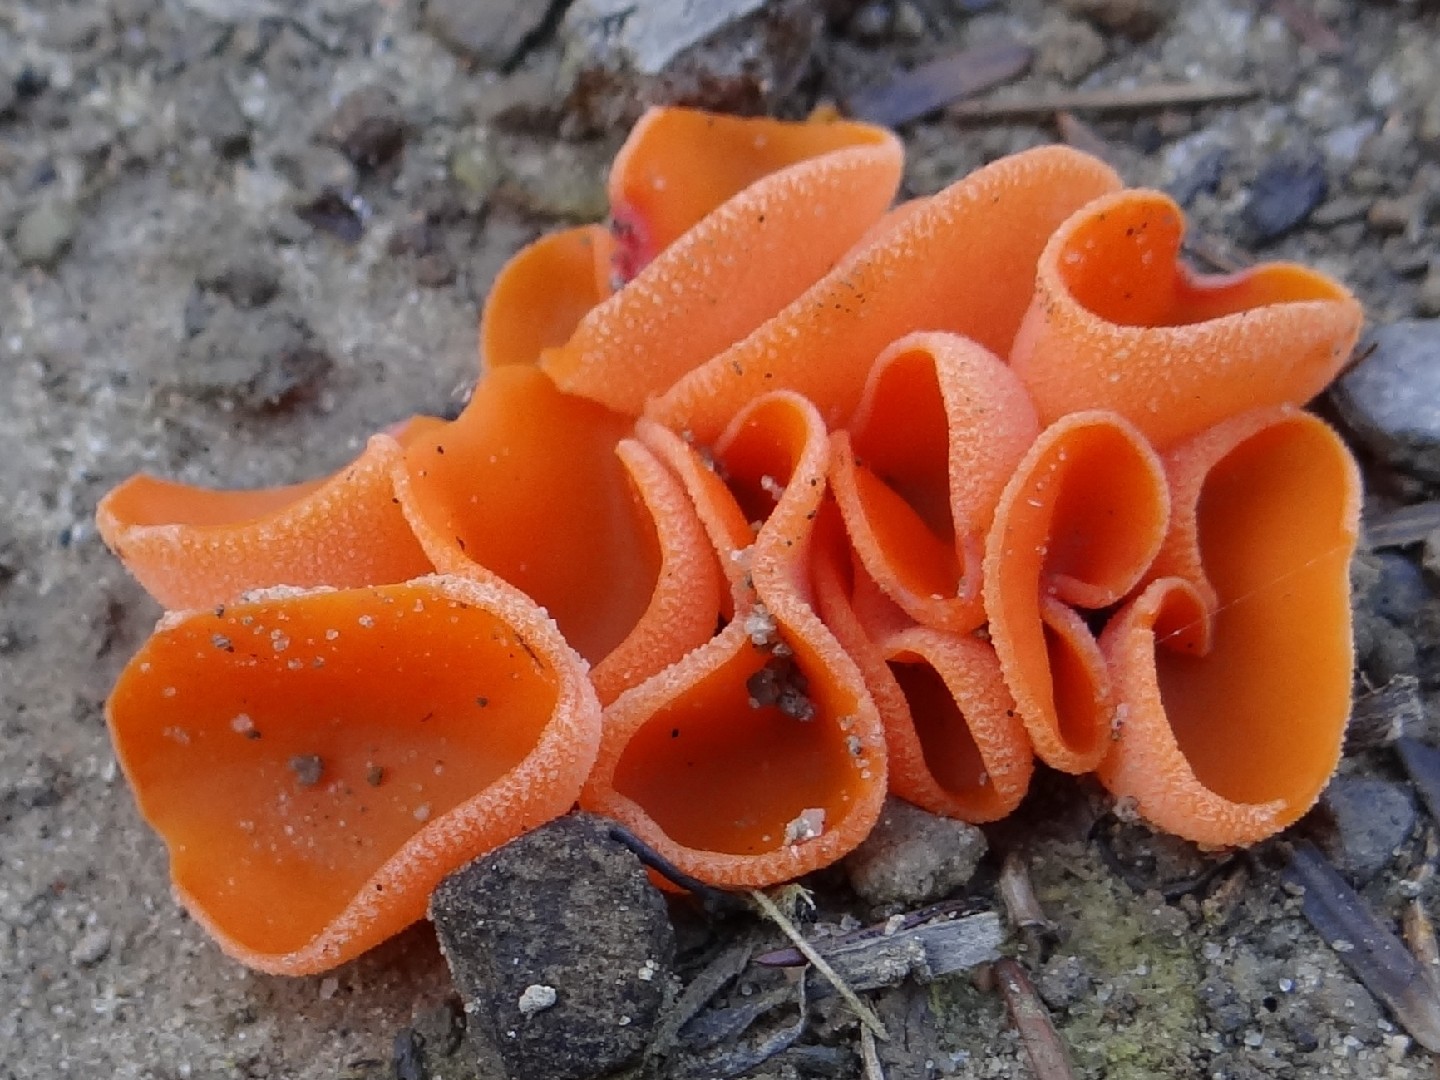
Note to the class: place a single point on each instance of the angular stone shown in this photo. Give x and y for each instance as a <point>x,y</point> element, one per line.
<point>493,33</point>
<point>913,857</point>
<point>1373,818</point>
<point>1392,399</point>
<point>729,55</point>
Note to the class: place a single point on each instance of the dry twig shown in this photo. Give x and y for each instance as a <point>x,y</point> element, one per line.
<point>779,918</point>
<point>1136,99</point>
<point>1047,1052</point>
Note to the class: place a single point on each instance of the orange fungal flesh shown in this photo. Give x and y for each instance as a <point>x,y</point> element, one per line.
<point>527,485</point>
<point>679,165</point>
<point>194,547</point>
<point>963,261</point>
<point>1079,523</point>
<point>759,756</point>
<point>1275,524</point>
<point>310,794</point>
<point>940,428</point>
<point>732,271</point>
<point>541,294</point>
<point>773,498</point>
<point>1117,323</point>
<point>955,743</point>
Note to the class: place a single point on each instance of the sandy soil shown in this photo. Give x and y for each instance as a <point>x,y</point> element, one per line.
<point>154,159</point>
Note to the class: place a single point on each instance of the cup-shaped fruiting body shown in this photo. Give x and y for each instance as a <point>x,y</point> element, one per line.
<point>918,473</point>
<point>542,293</point>
<point>759,756</point>
<point>1118,323</point>
<point>679,165</point>
<point>317,761</point>
<point>543,490</point>
<point>733,270</point>
<point>1234,687</point>
<point>196,547</point>
<point>1079,523</point>
<point>956,745</point>
<point>961,261</point>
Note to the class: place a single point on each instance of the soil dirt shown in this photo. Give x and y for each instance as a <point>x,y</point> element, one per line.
<point>240,236</point>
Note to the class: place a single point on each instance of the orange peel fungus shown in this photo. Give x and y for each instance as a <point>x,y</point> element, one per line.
<point>772,497</point>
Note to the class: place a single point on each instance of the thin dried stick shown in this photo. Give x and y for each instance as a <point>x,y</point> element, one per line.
<point>1138,99</point>
<point>1046,1050</point>
<point>870,1056</point>
<point>867,1015</point>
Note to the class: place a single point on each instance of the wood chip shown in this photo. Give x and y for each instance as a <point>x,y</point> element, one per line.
<point>779,918</point>
<point>869,1056</point>
<point>1419,934</point>
<point>1407,525</point>
<point>1049,1057</point>
<point>1023,907</point>
<point>1376,956</point>
<point>1137,99</point>
<point>936,84</point>
<point>1383,715</point>
<point>871,958</point>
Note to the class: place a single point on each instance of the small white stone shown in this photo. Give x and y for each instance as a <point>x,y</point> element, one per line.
<point>536,998</point>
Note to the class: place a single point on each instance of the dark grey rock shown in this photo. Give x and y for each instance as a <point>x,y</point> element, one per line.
<point>1203,175</point>
<point>1063,981</point>
<point>1373,818</point>
<point>1223,1008</point>
<point>1392,400</point>
<point>1401,590</point>
<point>912,857</point>
<point>495,33</point>
<point>1288,187</point>
<point>564,908</point>
<point>368,127</point>
<point>257,360</point>
<point>739,56</point>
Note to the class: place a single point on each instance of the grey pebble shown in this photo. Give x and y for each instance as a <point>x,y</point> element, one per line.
<point>45,232</point>
<point>727,55</point>
<point>1392,399</point>
<point>1288,187</point>
<point>93,946</point>
<point>368,127</point>
<point>565,907</point>
<point>1063,981</point>
<point>215,115</point>
<point>912,857</point>
<point>1373,819</point>
<point>491,34</point>
<point>315,171</point>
